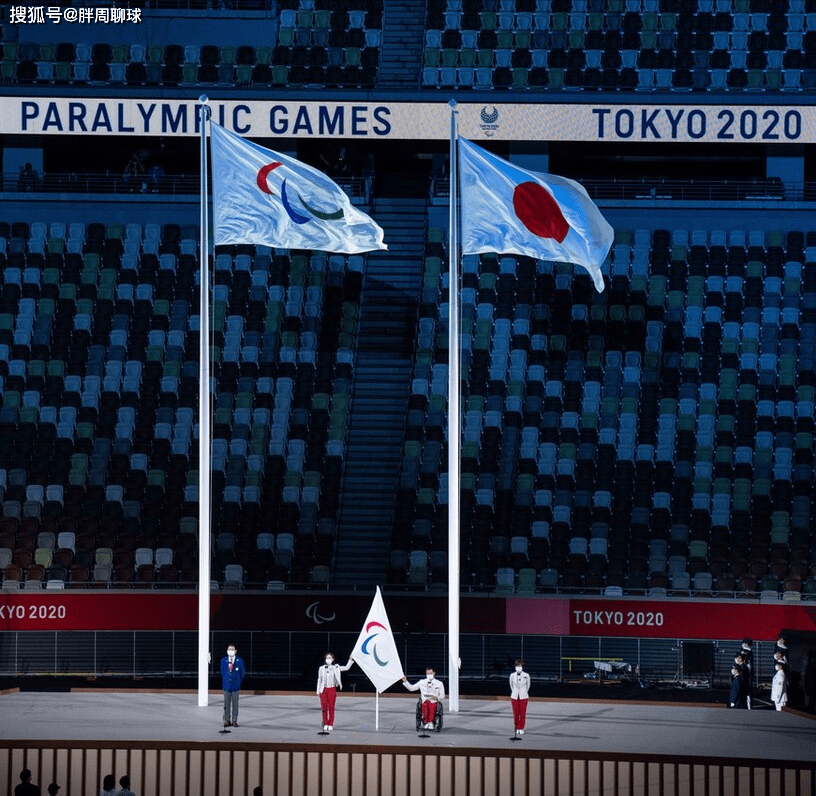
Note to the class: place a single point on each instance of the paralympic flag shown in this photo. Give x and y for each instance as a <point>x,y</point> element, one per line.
<point>508,209</point>
<point>376,651</point>
<point>268,199</point>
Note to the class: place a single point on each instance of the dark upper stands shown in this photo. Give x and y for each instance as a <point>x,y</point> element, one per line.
<point>681,45</point>
<point>538,45</point>
<point>331,44</point>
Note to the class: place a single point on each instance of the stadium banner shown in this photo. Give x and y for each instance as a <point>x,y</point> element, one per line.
<point>92,609</point>
<point>477,121</point>
<point>645,618</point>
<point>635,617</point>
<point>97,610</point>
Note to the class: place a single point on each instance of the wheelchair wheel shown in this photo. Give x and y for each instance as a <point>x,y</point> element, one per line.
<point>438,718</point>
<point>418,715</point>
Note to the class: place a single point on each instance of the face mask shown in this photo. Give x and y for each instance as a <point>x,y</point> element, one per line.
<point>429,677</point>
<point>231,653</point>
<point>329,661</point>
<point>518,669</point>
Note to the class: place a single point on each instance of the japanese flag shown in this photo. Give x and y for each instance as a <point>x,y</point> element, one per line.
<point>507,209</point>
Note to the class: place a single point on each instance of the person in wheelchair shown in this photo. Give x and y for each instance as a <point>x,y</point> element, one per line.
<point>431,694</point>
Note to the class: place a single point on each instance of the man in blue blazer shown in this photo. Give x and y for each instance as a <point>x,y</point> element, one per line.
<point>232,674</point>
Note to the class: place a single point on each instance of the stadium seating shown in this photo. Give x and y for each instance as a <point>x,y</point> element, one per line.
<point>609,45</point>
<point>537,46</point>
<point>642,438</point>
<point>653,439</point>
<point>99,456</point>
<point>328,45</point>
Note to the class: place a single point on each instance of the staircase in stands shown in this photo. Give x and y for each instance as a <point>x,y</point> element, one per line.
<point>403,40</point>
<point>382,385</point>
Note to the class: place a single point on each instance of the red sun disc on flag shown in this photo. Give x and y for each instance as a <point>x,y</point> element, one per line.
<point>539,212</point>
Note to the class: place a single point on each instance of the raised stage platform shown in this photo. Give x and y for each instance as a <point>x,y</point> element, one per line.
<point>170,745</point>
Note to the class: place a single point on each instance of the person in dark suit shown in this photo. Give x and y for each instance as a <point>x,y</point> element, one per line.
<point>232,675</point>
<point>736,697</point>
<point>747,653</point>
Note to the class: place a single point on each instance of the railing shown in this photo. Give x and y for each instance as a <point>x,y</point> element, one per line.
<point>691,190</point>
<point>287,655</point>
<point>358,188</point>
<point>680,190</point>
<point>431,589</point>
<point>219,769</point>
<point>101,183</point>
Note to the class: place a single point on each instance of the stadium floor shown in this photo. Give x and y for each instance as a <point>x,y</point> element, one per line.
<point>552,724</point>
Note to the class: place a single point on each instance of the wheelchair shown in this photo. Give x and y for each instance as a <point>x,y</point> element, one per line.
<point>437,717</point>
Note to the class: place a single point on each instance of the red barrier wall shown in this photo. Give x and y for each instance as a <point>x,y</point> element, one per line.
<point>643,618</point>
<point>635,617</point>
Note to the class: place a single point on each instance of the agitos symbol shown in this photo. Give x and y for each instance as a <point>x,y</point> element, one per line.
<point>373,652</point>
<point>297,218</point>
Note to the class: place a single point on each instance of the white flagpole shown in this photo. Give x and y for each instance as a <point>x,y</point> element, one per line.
<point>376,710</point>
<point>454,414</point>
<point>204,427</point>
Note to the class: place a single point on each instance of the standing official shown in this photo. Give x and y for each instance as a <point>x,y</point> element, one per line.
<point>779,687</point>
<point>232,674</point>
<point>519,696</point>
<point>328,681</point>
<point>747,653</point>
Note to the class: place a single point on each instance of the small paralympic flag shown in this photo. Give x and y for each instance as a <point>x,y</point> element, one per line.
<point>265,198</point>
<point>376,651</point>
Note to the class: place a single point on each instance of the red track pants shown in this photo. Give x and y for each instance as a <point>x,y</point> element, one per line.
<point>519,712</point>
<point>328,696</point>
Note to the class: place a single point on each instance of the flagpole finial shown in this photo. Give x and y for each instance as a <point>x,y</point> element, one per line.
<point>203,99</point>
<point>452,103</point>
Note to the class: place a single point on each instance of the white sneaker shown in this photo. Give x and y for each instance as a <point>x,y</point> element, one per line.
<point>521,732</point>
<point>325,728</point>
<point>330,727</point>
